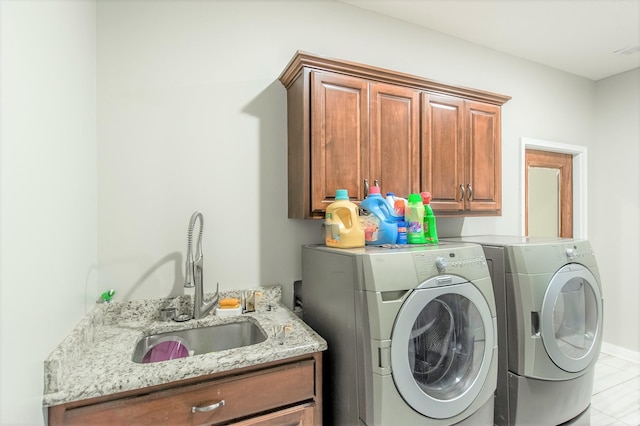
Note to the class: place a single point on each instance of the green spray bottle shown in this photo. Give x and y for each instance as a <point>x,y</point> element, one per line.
<point>430,231</point>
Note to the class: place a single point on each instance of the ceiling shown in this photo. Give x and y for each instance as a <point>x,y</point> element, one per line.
<point>577,36</point>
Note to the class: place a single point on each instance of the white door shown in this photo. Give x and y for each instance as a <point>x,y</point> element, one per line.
<point>571,318</point>
<point>441,348</point>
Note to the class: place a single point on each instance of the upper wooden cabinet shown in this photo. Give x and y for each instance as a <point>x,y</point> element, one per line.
<point>483,191</point>
<point>352,125</point>
<point>443,151</point>
<point>461,152</point>
<point>394,138</point>
<point>339,141</point>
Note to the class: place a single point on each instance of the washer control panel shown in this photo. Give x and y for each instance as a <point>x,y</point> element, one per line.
<point>441,264</point>
<point>463,263</point>
<point>468,263</point>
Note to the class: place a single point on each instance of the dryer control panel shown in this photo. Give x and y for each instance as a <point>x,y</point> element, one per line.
<point>575,252</point>
<point>548,258</point>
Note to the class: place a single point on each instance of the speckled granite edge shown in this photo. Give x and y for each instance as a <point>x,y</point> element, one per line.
<point>95,358</point>
<point>71,348</point>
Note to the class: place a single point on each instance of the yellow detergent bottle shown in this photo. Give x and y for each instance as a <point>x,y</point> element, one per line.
<point>341,225</point>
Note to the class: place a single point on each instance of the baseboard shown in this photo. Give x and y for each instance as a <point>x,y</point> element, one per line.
<point>620,352</point>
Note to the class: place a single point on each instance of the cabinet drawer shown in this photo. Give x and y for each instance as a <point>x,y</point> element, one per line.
<point>243,395</point>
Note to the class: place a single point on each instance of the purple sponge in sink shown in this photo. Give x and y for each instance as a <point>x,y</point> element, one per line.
<point>171,348</point>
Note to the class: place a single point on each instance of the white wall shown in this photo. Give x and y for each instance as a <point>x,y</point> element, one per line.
<point>47,189</point>
<point>615,230</point>
<point>191,116</point>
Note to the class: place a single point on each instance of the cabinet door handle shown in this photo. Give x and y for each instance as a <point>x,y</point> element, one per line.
<point>208,407</point>
<point>461,192</point>
<point>366,187</point>
<point>470,194</point>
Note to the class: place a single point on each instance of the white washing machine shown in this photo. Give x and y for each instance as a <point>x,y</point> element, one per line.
<point>549,304</point>
<point>411,333</point>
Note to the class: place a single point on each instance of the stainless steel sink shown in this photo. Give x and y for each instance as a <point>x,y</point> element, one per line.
<point>201,340</point>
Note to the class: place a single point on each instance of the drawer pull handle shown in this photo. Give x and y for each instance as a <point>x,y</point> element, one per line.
<point>208,407</point>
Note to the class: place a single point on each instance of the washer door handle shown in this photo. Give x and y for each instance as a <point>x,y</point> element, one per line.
<point>383,364</point>
<point>535,324</point>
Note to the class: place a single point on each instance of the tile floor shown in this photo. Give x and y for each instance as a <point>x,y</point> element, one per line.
<point>616,392</point>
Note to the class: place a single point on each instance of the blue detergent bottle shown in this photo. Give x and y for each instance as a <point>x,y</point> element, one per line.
<point>377,220</point>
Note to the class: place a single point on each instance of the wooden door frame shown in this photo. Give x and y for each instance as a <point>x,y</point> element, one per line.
<point>563,165</point>
<point>579,181</point>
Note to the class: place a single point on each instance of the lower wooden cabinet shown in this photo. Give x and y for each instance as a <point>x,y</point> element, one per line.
<point>281,393</point>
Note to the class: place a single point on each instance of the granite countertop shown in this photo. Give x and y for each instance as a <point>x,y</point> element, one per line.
<point>95,358</point>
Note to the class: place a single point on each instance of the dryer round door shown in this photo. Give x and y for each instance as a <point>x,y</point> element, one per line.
<point>441,348</point>
<point>571,318</point>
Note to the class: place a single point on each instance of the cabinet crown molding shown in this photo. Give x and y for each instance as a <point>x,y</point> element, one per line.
<point>303,59</point>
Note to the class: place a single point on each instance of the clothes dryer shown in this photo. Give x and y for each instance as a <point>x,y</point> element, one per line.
<point>411,333</point>
<point>549,303</point>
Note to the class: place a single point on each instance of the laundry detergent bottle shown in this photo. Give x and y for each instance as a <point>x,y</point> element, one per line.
<point>392,201</point>
<point>341,225</point>
<point>430,231</point>
<point>376,218</point>
<point>414,216</point>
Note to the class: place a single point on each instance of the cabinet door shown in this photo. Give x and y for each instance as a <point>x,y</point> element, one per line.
<point>484,157</point>
<point>301,415</point>
<point>394,138</point>
<point>443,151</point>
<point>339,137</point>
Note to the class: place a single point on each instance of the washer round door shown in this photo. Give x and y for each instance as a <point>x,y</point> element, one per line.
<point>571,318</point>
<point>441,348</point>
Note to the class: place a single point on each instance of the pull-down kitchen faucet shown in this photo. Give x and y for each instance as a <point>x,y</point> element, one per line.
<point>193,273</point>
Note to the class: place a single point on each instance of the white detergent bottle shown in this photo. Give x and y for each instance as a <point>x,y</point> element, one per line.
<point>397,206</point>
